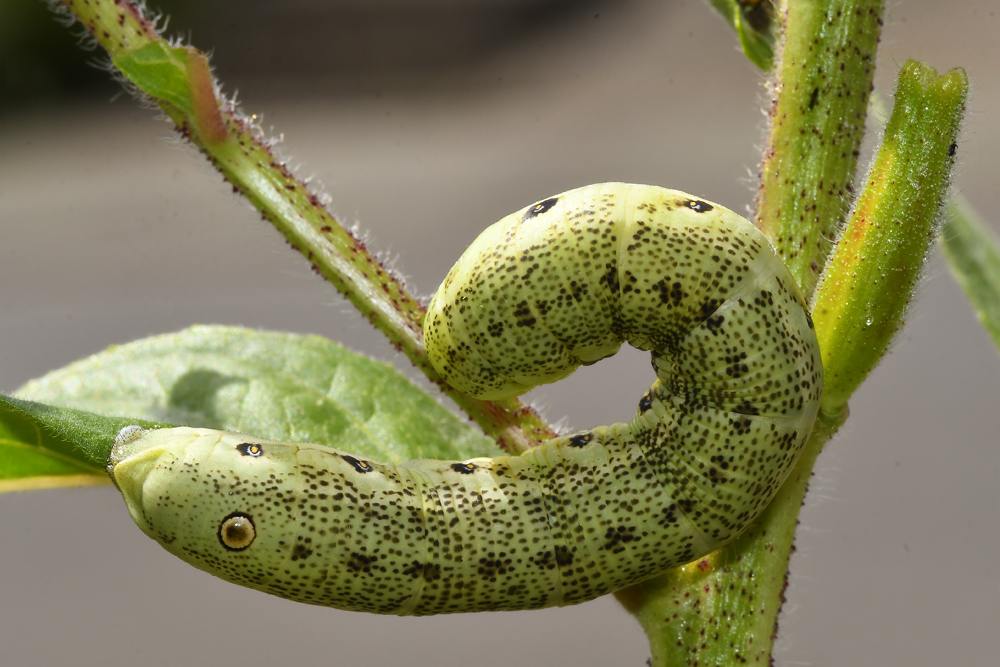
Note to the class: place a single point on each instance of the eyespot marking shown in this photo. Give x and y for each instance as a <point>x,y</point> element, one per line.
<point>581,440</point>
<point>464,468</point>
<point>360,466</point>
<point>698,205</point>
<point>250,449</point>
<point>646,402</point>
<point>539,208</point>
<point>237,532</point>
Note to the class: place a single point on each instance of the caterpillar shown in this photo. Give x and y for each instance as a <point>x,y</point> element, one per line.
<point>558,284</point>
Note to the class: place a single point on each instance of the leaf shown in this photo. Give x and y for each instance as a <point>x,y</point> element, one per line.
<point>180,77</point>
<point>753,21</point>
<point>273,385</point>
<point>43,446</point>
<point>159,70</point>
<point>973,253</point>
<point>874,269</point>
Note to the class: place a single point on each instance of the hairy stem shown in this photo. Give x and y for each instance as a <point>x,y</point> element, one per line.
<point>723,609</point>
<point>180,82</point>
<point>821,87</point>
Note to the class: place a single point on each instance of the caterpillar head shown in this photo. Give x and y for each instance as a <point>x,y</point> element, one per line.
<point>208,497</point>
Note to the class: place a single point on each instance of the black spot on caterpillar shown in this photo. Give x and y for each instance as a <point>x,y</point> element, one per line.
<point>539,208</point>
<point>360,466</point>
<point>250,449</point>
<point>738,384</point>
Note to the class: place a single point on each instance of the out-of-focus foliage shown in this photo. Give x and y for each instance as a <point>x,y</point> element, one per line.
<point>753,21</point>
<point>349,43</point>
<point>973,253</point>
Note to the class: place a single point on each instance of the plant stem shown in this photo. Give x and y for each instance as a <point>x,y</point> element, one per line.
<point>245,159</point>
<point>723,608</point>
<point>821,87</point>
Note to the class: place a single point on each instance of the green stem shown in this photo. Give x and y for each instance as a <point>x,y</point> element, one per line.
<point>237,150</point>
<point>823,81</point>
<point>722,609</point>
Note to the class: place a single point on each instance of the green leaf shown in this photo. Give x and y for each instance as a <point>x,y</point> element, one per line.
<point>878,259</point>
<point>973,253</point>
<point>42,446</point>
<point>159,70</point>
<point>753,21</point>
<point>273,385</point>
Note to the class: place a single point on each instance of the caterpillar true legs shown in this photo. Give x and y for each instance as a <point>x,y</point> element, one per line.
<point>560,283</point>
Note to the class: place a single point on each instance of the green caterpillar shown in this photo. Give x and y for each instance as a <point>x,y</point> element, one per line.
<point>558,284</point>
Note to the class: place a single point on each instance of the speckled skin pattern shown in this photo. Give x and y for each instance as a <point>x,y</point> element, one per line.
<point>561,283</point>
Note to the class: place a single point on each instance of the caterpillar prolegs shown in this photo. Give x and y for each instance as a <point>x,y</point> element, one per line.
<point>558,284</point>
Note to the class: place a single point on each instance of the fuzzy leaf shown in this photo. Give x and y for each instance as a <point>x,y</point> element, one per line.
<point>159,70</point>
<point>753,21</point>
<point>973,253</point>
<point>42,446</point>
<point>878,259</point>
<point>273,385</point>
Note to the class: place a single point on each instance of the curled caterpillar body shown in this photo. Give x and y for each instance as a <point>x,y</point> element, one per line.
<point>559,284</point>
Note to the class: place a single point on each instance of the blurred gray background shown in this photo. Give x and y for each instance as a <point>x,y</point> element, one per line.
<point>426,121</point>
